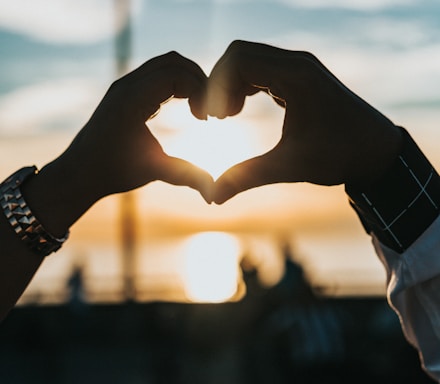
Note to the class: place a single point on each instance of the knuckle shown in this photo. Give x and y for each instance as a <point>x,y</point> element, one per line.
<point>237,45</point>
<point>116,85</point>
<point>308,65</point>
<point>173,56</point>
<point>169,58</point>
<point>306,55</point>
<point>238,51</point>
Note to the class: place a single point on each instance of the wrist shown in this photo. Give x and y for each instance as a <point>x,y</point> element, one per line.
<point>21,218</point>
<point>57,197</point>
<point>400,205</point>
<point>375,154</point>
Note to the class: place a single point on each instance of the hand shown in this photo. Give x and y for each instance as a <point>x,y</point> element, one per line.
<point>116,148</point>
<point>330,135</point>
<point>115,151</point>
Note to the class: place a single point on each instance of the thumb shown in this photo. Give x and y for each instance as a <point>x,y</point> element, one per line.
<point>181,172</point>
<point>248,174</point>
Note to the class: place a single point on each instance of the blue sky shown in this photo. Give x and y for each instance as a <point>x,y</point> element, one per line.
<point>388,51</point>
<point>57,60</point>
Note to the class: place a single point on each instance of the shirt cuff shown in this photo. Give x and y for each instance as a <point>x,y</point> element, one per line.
<point>404,202</point>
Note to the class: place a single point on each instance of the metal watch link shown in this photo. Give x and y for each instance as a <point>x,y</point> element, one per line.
<point>20,217</point>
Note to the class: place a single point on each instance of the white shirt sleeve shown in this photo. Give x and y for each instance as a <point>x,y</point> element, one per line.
<point>413,291</point>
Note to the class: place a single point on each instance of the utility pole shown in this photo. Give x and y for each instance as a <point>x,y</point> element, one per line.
<point>127,207</point>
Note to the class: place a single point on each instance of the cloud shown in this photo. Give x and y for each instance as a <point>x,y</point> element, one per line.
<point>363,5</point>
<point>388,72</point>
<point>41,107</point>
<point>59,21</point>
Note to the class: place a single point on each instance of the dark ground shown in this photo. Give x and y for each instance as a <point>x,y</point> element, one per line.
<point>276,336</point>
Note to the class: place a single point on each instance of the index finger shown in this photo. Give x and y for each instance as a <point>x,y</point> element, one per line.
<point>245,68</point>
<point>161,78</point>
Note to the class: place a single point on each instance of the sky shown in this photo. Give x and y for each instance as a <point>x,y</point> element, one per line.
<point>388,50</point>
<point>57,61</point>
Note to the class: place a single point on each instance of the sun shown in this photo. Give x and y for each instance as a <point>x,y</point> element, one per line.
<point>214,145</point>
<point>211,267</point>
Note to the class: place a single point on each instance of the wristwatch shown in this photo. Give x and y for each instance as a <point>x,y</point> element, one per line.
<point>20,216</point>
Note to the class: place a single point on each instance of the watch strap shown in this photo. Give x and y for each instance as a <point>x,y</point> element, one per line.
<point>20,216</point>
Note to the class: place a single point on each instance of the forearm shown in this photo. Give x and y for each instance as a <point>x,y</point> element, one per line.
<point>54,199</point>
<point>114,152</point>
<point>400,205</point>
<point>401,211</point>
<point>17,267</point>
<point>59,195</point>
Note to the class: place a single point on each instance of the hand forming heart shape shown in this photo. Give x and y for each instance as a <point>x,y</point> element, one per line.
<point>329,135</point>
<point>216,145</point>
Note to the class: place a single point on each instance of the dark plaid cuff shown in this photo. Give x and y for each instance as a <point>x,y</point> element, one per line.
<point>400,206</point>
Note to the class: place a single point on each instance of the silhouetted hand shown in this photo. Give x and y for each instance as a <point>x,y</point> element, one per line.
<point>115,151</point>
<point>116,148</point>
<point>330,135</point>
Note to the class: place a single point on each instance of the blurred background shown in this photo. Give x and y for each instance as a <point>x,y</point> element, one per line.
<point>280,283</point>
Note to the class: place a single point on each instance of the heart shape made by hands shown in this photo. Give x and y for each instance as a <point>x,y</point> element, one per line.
<point>216,145</point>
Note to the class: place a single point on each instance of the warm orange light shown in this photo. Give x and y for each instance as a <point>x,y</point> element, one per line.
<point>211,269</point>
<point>214,145</point>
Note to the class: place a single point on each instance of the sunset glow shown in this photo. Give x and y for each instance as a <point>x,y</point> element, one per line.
<point>59,58</point>
<point>211,267</point>
<point>214,145</point>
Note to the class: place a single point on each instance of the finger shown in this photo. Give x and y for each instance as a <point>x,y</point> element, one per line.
<point>159,63</point>
<point>281,102</point>
<point>161,78</point>
<point>233,102</point>
<point>197,103</point>
<point>222,103</point>
<point>229,83</point>
<point>165,86</point>
<point>181,172</point>
<point>249,174</point>
<point>246,66</point>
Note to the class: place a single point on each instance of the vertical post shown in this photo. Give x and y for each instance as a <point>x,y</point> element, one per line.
<point>127,208</point>
<point>123,36</point>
